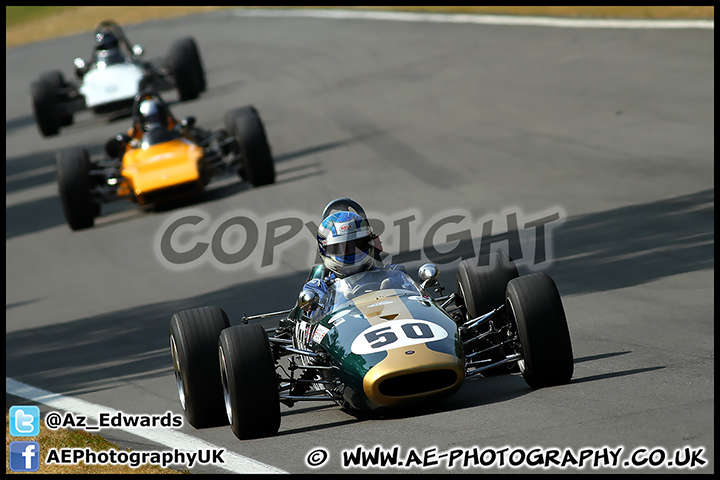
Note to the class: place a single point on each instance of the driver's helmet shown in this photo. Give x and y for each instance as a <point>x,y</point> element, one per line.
<point>346,243</point>
<point>108,48</point>
<point>152,115</point>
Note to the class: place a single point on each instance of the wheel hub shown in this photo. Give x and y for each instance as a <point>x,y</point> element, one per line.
<point>178,374</point>
<point>226,390</point>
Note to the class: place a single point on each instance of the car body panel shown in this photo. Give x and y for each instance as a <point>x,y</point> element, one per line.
<point>162,165</point>
<point>391,346</point>
<point>109,84</point>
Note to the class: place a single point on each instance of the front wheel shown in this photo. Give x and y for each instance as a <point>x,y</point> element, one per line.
<point>249,382</point>
<point>73,177</point>
<point>193,344</point>
<point>535,305</point>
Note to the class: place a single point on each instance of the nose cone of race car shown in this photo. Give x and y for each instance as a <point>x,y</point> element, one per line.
<point>162,166</point>
<point>411,374</point>
<point>419,349</point>
<point>112,83</point>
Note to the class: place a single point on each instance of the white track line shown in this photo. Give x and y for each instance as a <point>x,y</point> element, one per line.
<point>234,462</point>
<point>509,20</point>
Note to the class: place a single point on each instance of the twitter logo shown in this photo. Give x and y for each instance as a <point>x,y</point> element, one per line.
<point>25,421</point>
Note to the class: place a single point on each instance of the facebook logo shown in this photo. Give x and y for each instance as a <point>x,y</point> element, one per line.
<point>25,421</point>
<point>24,456</point>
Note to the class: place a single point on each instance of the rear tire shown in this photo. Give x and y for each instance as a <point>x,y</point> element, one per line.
<point>57,80</point>
<point>44,104</point>
<point>197,64</point>
<point>249,382</point>
<point>535,304</point>
<point>482,288</point>
<point>252,145</point>
<point>187,69</point>
<point>72,168</point>
<point>193,343</point>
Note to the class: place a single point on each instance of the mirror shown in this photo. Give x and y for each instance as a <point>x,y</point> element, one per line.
<point>308,300</point>
<point>79,67</point>
<point>428,275</point>
<point>137,50</point>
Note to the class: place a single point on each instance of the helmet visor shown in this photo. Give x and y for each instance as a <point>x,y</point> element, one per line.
<point>352,247</point>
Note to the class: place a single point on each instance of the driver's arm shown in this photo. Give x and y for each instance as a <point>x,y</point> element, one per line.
<point>320,288</point>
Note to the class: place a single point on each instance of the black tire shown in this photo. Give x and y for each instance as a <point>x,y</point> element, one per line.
<point>250,384</point>
<point>72,168</point>
<point>189,76</point>
<point>44,104</point>
<point>193,345</point>
<point>483,287</point>
<point>252,145</point>
<point>197,63</point>
<point>57,80</point>
<point>535,304</point>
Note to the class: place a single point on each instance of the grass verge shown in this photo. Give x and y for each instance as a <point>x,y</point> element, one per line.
<point>32,24</point>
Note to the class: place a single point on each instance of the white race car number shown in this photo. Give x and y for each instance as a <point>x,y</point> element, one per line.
<point>396,334</point>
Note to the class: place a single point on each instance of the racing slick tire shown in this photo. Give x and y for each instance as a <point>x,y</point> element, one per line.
<point>44,104</point>
<point>72,168</point>
<point>193,343</point>
<point>249,382</point>
<point>537,309</point>
<point>57,80</point>
<point>482,286</point>
<point>186,68</point>
<point>252,145</point>
<point>197,63</point>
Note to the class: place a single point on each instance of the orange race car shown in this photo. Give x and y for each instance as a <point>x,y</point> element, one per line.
<point>162,159</point>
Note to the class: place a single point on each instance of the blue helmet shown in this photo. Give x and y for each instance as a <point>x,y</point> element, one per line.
<point>346,243</point>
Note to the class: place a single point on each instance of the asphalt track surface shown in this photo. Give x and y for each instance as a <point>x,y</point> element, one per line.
<point>614,128</point>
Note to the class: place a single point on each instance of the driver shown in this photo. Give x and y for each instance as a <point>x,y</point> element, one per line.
<point>107,49</point>
<point>154,117</point>
<point>106,52</point>
<point>347,246</point>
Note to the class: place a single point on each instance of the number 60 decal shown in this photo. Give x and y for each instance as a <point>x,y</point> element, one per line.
<point>396,334</point>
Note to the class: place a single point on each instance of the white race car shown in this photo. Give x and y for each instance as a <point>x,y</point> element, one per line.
<point>113,77</point>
